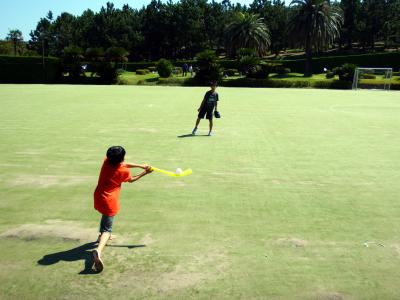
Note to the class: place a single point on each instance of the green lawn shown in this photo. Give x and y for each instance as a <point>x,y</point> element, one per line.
<point>283,201</point>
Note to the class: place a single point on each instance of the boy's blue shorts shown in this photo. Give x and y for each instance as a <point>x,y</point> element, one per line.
<point>206,112</point>
<point>106,224</point>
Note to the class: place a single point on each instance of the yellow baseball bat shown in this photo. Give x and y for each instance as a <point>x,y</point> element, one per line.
<point>184,173</point>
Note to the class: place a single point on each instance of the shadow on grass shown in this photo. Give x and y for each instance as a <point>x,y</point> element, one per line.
<point>82,252</point>
<point>191,135</point>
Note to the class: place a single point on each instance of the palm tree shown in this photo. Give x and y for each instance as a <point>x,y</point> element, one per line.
<point>247,31</point>
<point>314,25</point>
<point>15,36</point>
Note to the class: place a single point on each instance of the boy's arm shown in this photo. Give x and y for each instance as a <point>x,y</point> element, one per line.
<point>137,177</point>
<point>129,165</point>
<point>202,103</point>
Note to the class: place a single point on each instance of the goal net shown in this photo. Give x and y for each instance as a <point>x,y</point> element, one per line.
<point>372,78</point>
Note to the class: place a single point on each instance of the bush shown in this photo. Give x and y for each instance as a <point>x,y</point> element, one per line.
<point>164,68</point>
<point>108,72</point>
<point>262,71</point>
<point>330,75</point>
<point>230,72</point>
<point>177,70</point>
<point>253,82</point>
<point>242,52</point>
<point>281,70</point>
<point>368,76</point>
<point>209,69</point>
<point>176,81</point>
<point>334,84</point>
<point>142,71</point>
<point>72,61</point>
<point>248,64</point>
<point>345,72</point>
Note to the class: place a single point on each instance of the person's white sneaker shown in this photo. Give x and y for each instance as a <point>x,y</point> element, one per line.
<point>194,131</point>
<point>210,133</point>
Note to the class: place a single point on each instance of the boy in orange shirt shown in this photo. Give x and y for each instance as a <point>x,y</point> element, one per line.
<point>106,196</point>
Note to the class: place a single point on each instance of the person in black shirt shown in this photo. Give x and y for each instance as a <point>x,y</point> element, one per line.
<point>207,106</point>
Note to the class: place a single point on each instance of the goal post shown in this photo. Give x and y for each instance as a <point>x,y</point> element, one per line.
<point>372,78</point>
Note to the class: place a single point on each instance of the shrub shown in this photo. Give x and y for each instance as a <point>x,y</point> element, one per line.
<point>142,71</point>
<point>262,71</point>
<point>108,72</point>
<point>254,82</point>
<point>248,64</point>
<point>209,69</point>
<point>281,70</point>
<point>368,76</point>
<point>242,52</point>
<point>164,68</point>
<point>230,72</point>
<point>72,61</point>
<point>334,84</point>
<point>330,75</point>
<point>345,72</point>
<point>177,70</point>
<point>176,81</point>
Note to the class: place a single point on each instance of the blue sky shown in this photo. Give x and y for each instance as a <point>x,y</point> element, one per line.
<point>24,14</point>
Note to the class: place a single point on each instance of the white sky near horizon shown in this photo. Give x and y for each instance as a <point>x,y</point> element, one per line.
<point>25,14</point>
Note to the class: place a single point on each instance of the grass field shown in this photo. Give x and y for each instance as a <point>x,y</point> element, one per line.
<point>296,196</point>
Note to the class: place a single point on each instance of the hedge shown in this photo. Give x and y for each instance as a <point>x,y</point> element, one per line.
<point>29,69</point>
<point>372,60</point>
<point>251,82</point>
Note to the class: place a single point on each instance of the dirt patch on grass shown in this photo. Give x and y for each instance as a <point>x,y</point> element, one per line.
<point>147,240</point>
<point>193,271</point>
<point>45,181</point>
<point>291,242</point>
<point>67,230</point>
<point>187,271</point>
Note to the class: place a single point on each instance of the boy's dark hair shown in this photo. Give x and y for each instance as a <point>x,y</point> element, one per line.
<point>115,155</point>
<point>213,83</point>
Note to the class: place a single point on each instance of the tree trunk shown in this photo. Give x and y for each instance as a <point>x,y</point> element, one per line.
<point>15,47</point>
<point>308,67</point>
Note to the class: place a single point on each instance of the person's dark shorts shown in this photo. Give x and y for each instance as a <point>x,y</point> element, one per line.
<point>206,112</point>
<point>106,224</point>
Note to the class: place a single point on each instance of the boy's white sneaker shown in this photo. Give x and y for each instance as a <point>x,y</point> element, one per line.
<point>194,131</point>
<point>210,133</point>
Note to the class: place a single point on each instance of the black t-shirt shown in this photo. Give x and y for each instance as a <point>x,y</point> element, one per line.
<point>210,100</point>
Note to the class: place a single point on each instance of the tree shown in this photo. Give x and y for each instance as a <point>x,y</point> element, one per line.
<point>15,36</point>
<point>42,38</point>
<point>247,31</point>
<point>314,25</point>
<point>275,15</point>
<point>351,10</point>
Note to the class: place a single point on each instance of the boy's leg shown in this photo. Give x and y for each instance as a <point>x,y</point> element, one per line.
<point>211,126</point>
<point>195,127</point>
<point>105,229</point>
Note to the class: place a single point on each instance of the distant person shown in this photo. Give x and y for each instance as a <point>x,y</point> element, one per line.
<point>191,70</point>
<point>184,69</point>
<point>106,196</point>
<point>207,107</point>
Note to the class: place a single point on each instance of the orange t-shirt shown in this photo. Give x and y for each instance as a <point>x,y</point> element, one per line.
<point>106,195</point>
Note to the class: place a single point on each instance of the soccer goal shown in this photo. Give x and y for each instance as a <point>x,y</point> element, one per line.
<point>372,78</point>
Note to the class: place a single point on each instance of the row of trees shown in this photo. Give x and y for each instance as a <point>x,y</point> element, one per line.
<point>183,28</point>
